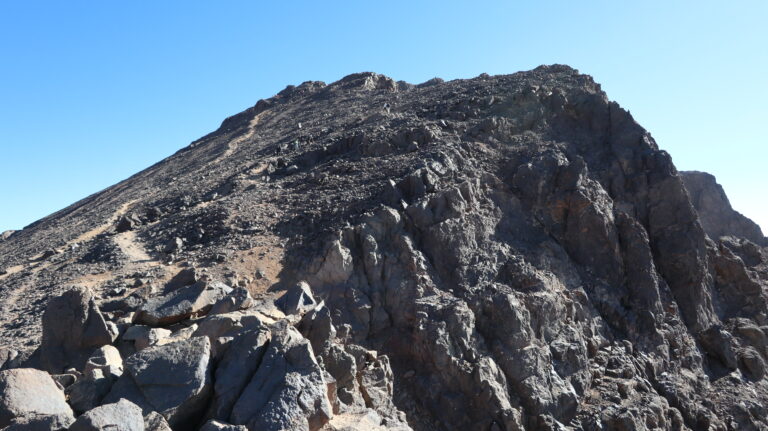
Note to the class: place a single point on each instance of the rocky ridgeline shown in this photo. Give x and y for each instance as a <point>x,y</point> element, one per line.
<point>220,361</point>
<point>499,254</point>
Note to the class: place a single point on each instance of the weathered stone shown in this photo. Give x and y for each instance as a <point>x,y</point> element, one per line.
<point>145,336</point>
<point>236,300</point>
<point>73,328</point>
<point>288,391</point>
<point>154,421</point>
<point>174,380</point>
<point>87,393</point>
<point>107,359</point>
<point>27,394</point>
<point>180,304</point>
<point>120,416</point>
<point>752,363</point>
<point>298,299</point>
<point>715,212</point>
<point>236,369</point>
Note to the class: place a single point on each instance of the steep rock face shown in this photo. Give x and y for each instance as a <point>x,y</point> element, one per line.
<point>499,253</point>
<point>715,212</point>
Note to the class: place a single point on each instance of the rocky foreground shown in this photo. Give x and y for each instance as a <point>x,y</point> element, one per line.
<point>500,253</point>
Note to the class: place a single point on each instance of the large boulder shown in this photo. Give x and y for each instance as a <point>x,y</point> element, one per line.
<point>236,369</point>
<point>288,391</point>
<point>73,328</point>
<point>173,379</point>
<point>120,416</point>
<point>180,304</point>
<point>31,395</point>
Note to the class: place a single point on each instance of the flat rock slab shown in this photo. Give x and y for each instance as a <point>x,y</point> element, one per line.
<point>180,304</point>
<point>27,394</point>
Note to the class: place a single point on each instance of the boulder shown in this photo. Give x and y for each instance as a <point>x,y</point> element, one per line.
<point>173,379</point>
<point>144,336</point>
<point>87,393</point>
<point>236,368</point>
<point>288,391</point>
<point>238,299</point>
<point>107,359</point>
<point>27,394</point>
<point>298,299</point>
<point>120,416</point>
<point>39,423</point>
<point>73,328</point>
<point>183,303</point>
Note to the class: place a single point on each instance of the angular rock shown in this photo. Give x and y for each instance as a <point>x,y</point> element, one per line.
<point>180,304</point>
<point>238,299</point>
<point>717,216</point>
<point>145,336</point>
<point>27,394</point>
<point>174,380</point>
<point>120,416</point>
<point>288,391</point>
<point>73,328</point>
<point>107,359</point>
<point>154,421</point>
<point>298,299</point>
<point>88,392</point>
<point>236,368</point>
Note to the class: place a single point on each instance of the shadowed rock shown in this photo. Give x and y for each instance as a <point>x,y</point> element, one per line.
<point>73,328</point>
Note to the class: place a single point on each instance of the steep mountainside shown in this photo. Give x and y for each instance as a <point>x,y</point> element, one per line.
<point>516,250</point>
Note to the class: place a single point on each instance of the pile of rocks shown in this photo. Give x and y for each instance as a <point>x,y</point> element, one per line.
<point>203,356</point>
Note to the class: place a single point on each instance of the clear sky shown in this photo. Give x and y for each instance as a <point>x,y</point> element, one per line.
<point>92,92</point>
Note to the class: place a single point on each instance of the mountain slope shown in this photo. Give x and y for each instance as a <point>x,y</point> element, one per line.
<point>517,245</point>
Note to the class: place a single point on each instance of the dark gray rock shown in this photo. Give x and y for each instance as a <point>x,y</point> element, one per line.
<point>715,212</point>
<point>288,391</point>
<point>236,369</point>
<point>238,299</point>
<point>180,304</point>
<point>31,395</point>
<point>120,416</point>
<point>173,379</point>
<point>73,328</point>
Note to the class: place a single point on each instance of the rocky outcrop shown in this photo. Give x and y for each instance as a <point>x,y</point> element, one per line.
<point>499,253</point>
<point>715,212</point>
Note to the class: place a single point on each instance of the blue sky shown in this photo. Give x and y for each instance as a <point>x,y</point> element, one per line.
<point>92,92</point>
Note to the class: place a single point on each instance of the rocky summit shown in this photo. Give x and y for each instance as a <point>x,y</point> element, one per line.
<point>500,253</point>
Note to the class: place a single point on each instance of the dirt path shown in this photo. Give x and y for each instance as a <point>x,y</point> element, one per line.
<point>132,248</point>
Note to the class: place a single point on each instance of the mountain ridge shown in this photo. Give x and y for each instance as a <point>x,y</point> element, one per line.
<point>517,247</point>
